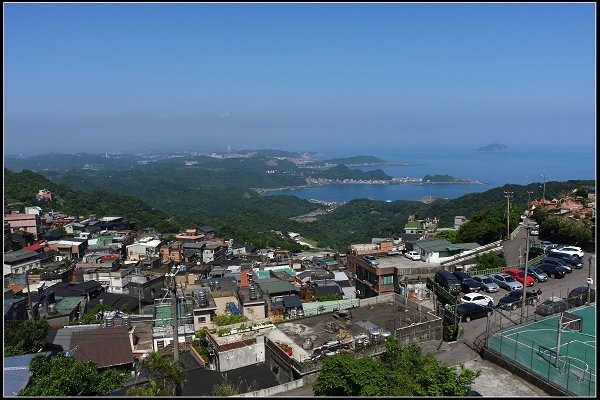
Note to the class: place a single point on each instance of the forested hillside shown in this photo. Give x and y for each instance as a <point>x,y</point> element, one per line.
<point>166,199</point>
<point>20,190</point>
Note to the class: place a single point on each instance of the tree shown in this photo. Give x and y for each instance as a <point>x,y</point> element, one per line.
<point>64,376</point>
<point>22,337</point>
<point>489,261</point>
<point>225,389</point>
<point>565,230</point>
<point>449,235</point>
<point>90,316</point>
<point>166,376</point>
<point>401,371</point>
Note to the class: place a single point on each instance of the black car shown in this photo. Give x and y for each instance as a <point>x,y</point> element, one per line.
<point>552,305</point>
<point>553,271</point>
<point>467,283</point>
<point>578,296</point>
<point>569,259</point>
<point>514,299</point>
<point>557,261</point>
<point>469,311</point>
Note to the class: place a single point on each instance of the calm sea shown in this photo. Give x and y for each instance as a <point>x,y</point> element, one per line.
<point>494,169</point>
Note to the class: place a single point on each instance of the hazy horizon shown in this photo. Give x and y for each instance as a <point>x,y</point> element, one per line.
<point>133,78</point>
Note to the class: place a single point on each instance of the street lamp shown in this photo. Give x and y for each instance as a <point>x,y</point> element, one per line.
<point>525,275</point>
<point>508,196</point>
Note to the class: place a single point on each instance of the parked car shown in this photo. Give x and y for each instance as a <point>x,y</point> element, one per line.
<point>578,296</point>
<point>467,284</point>
<point>537,274</point>
<point>553,271</point>
<point>559,262</point>
<point>534,232</point>
<point>506,281</point>
<point>519,276</point>
<point>413,255</point>
<point>448,281</point>
<point>477,298</point>
<point>569,259</point>
<point>552,305</point>
<point>486,283</point>
<point>573,250</point>
<point>371,259</point>
<point>514,299</point>
<point>468,311</point>
<point>547,246</point>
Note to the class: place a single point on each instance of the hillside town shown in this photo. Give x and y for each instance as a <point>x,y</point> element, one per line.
<point>114,293</point>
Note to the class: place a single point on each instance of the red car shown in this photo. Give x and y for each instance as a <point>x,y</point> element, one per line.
<point>518,275</point>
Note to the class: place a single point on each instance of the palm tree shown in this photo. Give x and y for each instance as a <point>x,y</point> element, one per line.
<point>166,376</point>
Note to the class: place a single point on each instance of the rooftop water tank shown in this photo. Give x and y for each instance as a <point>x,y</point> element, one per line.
<point>110,321</point>
<point>385,334</point>
<point>359,341</point>
<point>252,293</point>
<point>202,298</point>
<point>126,321</point>
<point>375,335</point>
<point>307,344</point>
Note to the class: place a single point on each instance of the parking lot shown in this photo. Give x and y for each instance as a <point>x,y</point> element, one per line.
<point>550,288</point>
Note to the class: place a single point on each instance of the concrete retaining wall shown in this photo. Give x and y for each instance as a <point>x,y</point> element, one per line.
<point>275,389</point>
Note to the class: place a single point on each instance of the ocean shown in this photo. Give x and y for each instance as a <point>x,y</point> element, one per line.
<point>521,166</point>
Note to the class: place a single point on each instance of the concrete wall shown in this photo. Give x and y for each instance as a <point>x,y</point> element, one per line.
<point>298,383</point>
<point>241,357</point>
<point>257,313</point>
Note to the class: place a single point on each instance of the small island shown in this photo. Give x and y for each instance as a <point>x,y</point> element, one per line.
<point>494,148</point>
<point>446,179</point>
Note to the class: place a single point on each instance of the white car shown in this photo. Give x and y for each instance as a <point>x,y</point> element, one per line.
<point>413,255</point>
<point>572,250</point>
<point>478,298</point>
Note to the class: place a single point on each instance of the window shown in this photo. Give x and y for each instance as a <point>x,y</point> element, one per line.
<point>388,280</point>
<point>201,320</point>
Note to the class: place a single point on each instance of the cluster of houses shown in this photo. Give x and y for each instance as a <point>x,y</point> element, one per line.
<point>569,207</point>
<point>295,309</point>
<point>71,265</point>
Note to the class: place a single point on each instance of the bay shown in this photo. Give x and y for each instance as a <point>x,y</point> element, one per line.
<point>521,166</point>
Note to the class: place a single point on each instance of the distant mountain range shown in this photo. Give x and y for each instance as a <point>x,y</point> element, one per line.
<point>494,148</point>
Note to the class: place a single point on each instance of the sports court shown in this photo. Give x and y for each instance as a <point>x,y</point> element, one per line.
<point>534,346</point>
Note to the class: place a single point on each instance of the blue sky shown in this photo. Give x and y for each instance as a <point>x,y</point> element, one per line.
<point>128,77</point>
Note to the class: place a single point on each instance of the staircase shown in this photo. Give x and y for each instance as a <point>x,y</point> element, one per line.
<point>471,254</point>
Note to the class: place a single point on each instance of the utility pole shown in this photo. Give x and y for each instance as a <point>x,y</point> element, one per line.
<point>544,192</point>
<point>528,202</point>
<point>174,312</point>
<point>589,279</point>
<point>525,275</point>
<point>29,306</point>
<point>508,196</point>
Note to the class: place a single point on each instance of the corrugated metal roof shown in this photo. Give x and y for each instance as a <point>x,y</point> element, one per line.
<point>16,373</point>
<point>292,301</point>
<point>105,346</point>
<point>433,245</point>
<point>274,286</point>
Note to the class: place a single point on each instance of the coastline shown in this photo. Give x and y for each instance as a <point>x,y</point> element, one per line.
<point>263,191</point>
